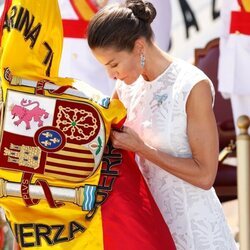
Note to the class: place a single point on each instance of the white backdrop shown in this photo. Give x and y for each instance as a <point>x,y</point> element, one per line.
<point>182,46</point>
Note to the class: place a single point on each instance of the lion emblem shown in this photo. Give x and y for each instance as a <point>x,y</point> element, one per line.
<point>26,115</point>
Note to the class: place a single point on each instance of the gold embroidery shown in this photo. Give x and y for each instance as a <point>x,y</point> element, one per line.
<point>23,155</point>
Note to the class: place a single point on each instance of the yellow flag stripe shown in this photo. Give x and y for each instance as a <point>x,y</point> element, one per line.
<point>72,154</point>
<point>245,4</point>
<point>63,177</point>
<point>83,9</point>
<point>76,146</point>
<point>70,171</point>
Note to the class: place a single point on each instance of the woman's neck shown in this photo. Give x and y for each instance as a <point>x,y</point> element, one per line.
<point>157,61</point>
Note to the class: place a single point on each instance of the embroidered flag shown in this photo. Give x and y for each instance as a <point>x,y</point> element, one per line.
<point>61,187</point>
<point>58,186</point>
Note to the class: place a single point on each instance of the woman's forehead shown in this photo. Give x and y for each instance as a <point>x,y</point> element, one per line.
<point>105,55</point>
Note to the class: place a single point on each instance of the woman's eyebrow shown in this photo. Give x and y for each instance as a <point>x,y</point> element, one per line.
<point>109,62</point>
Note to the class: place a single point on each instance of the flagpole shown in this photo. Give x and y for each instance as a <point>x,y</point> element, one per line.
<point>243,181</point>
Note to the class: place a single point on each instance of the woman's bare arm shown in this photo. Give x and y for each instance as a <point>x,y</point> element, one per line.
<point>201,169</point>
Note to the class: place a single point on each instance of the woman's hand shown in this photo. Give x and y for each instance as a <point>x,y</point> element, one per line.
<point>127,139</point>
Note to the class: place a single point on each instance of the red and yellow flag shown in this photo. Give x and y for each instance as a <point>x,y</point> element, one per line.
<point>240,20</point>
<point>84,9</point>
<point>62,185</point>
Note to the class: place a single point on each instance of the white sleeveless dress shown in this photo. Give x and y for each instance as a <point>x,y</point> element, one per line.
<point>156,110</point>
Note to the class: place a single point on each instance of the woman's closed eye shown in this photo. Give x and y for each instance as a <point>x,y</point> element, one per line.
<point>113,65</point>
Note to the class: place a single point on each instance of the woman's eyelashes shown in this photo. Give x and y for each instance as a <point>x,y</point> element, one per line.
<point>113,65</point>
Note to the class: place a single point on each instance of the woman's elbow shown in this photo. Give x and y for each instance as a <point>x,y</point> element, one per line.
<point>206,184</point>
<point>207,180</point>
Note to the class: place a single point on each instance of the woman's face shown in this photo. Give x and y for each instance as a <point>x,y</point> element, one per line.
<point>122,65</point>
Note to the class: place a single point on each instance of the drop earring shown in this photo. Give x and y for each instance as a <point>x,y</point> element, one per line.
<point>142,60</point>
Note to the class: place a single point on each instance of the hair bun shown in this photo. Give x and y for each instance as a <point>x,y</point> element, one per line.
<point>143,10</point>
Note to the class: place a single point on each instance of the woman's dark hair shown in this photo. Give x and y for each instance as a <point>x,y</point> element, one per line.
<point>119,26</point>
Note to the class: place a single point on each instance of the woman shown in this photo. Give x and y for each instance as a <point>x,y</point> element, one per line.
<point>170,123</point>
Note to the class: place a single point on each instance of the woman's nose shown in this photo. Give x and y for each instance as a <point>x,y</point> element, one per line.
<point>113,74</point>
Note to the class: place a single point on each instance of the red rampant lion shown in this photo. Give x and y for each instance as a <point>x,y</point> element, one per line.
<point>26,115</point>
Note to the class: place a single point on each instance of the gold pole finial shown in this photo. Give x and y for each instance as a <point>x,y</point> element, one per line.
<point>243,123</point>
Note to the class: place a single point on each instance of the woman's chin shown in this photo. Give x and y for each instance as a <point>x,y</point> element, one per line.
<point>129,81</point>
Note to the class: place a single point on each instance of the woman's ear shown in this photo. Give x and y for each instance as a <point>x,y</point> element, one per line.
<point>139,47</point>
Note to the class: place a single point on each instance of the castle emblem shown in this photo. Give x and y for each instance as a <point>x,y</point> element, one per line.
<point>23,155</point>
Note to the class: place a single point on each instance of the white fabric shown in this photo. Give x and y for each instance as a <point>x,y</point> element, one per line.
<point>233,70</point>
<point>157,112</point>
<point>234,73</point>
<point>77,59</point>
<point>78,62</point>
<point>162,23</point>
<point>234,55</point>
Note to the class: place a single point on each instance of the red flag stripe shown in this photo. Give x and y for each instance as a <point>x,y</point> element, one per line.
<point>79,31</point>
<point>81,168</point>
<point>130,214</point>
<point>7,5</point>
<point>240,22</point>
<point>69,163</point>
